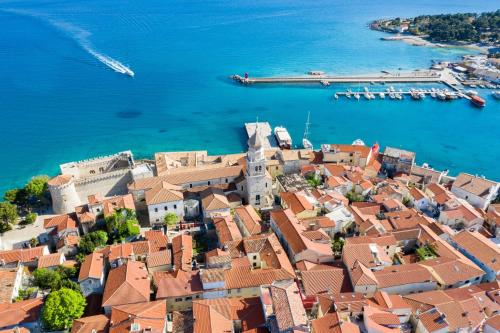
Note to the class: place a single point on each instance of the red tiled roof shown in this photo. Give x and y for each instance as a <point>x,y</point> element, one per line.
<point>50,260</point>
<point>146,316</point>
<point>92,267</point>
<point>23,255</point>
<point>92,324</point>
<point>126,284</point>
<point>21,312</point>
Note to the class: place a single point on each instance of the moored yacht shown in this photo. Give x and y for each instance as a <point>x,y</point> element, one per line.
<point>283,137</point>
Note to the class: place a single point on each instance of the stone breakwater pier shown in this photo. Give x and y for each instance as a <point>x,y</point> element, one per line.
<point>427,76</point>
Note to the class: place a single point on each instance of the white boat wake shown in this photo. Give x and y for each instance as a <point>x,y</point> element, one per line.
<point>81,36</point>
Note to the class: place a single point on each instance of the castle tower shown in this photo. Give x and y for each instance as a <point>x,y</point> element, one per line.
<point>63,192</point>
<point>258,187</point>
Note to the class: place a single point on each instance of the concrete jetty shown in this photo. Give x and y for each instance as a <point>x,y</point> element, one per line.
<point>266,132</point>
<point>427,76</point>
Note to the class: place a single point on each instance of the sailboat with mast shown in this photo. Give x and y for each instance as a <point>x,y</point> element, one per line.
<point>305,141</point>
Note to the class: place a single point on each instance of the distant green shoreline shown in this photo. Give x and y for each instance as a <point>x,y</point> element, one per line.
<point>454,29</point>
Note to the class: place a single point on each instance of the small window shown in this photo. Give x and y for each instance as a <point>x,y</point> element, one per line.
<point>227,180</point>
<point>175,206</point>
<point>208,182</point>
<point>156,210</point>
<point>157,220</point>
<point>190,185</point>
<point>92,172</point>
<point>178,299</point>
<point>166,207</point>
<point>255,257</point>
<point>101,169</point>
<point>188,298</point>
<point>98,210</point>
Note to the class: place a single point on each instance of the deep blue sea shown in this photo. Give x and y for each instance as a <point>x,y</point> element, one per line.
<point>60,102</point>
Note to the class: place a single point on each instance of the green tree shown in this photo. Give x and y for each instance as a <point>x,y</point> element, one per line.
<point>354,197</point>
<point>122,224</point>
<point>171,219</point>
<point>47,279</point>
<point>338,245</point>
<point>11,195</point>
<point>8,216</point>
<point>34,242</point>
<point>89,242</point>
<point>37,187</point>
<point>30,218</point>
<point>61,308</point>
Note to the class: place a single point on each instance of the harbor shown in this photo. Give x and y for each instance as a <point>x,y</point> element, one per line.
<point>424,76</point>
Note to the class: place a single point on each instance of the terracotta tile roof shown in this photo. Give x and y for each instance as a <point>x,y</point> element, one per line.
<point>178,283</point>
<point>399,275</point>
<point>226,229</point>
<point>319,221</point>
<point>480,247</point>
<point>406,219</point>
<point>68,240</point>
<point>292,230</point>
<point>23,255</point>
<point>160,258</point>
<point>7,283</point>
<point>182,251</point>
<point>493,322</point>
<point>388,302</point>
<point>287,305</point>
<point>349,302</point>
<point>452,271</point>
<point>214,199</point>
<point>325,279</point>
<point>369,254</point>
<point>296,202</point>
<point>51,260</point>
<point>117,202</point>
<point>475,185</point>
<point>126,250</point>
<point>127,284</point>
<point>59,180</point>
<point>250,219</point>
<point>157,240</point>
<point>16,330</point>
<point>217,257</point>
<point>163,192</point>
<point>362,276</point>
<point>245,277</point>
<point>21,312</point>
<point>363,151</point>
<point>93,324</point>
<point>146,317</point>
<point>61,222</point>
<point>380,321</point>
<point>92,267</point>
<point>417,194</point>
<point>217,315</point>
<point>331,323</point>
<point>189,176</point>
<point>433,320</point>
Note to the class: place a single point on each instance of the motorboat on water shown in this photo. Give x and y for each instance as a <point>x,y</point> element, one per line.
<point>356,95</point>
<point>283,137</point>
<point>382,95</point>
<point>477,101</point>
<point>496,94</point>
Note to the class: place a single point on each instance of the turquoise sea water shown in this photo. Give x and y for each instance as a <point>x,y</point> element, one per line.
<point>59,103</point>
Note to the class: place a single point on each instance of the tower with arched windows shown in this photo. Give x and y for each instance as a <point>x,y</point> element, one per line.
<point>258,182</point>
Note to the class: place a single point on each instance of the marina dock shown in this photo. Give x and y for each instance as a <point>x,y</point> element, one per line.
<point>427,76</point>
<point>267,134</point>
